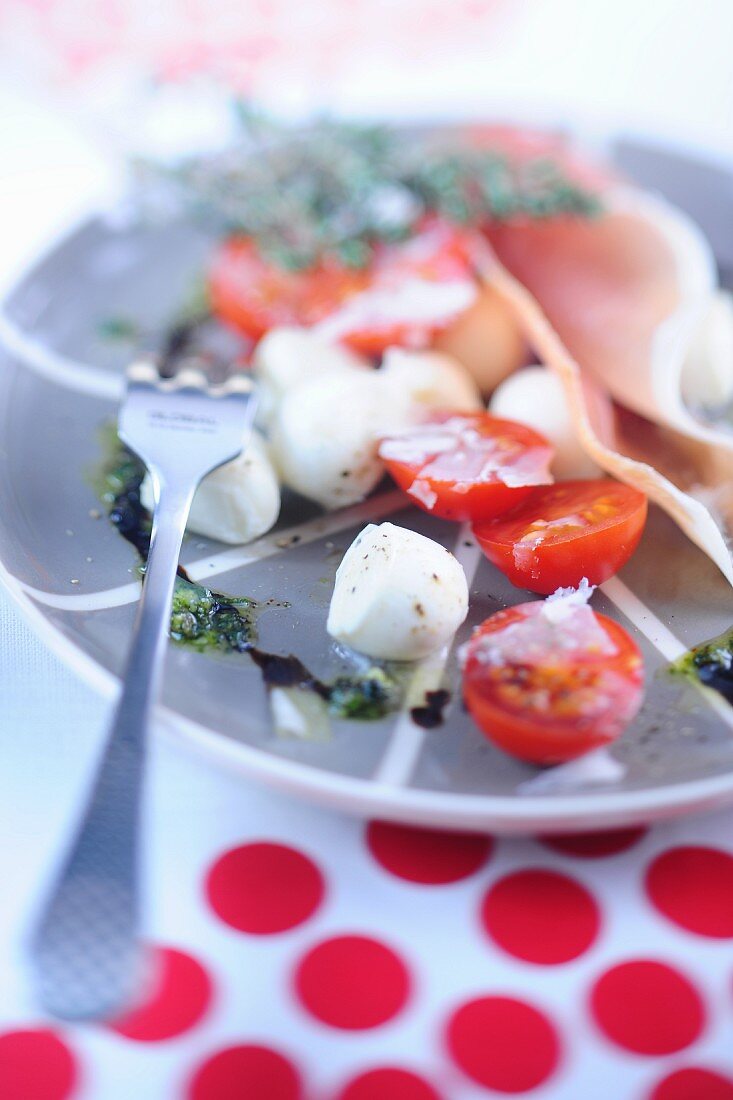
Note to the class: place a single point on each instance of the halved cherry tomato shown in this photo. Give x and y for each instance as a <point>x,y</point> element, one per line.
<point>467,466</point>
<point>253,294</point>
<point>565,532</point>
<point>548,692</point>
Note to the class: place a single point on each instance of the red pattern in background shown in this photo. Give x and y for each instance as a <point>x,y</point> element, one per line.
<point>352,982</point>
<point>427,856</point>
<point>503,1043</point>
<point>246,1072</point>
<point>494,1037</point>
<point>648,1007</point>
<point>693,886</point>
<point>247,46</point>
<point>180,995</point>
<point>541,916</point>
<point>36,1065</point>
<point>390,1083</point>
<point>264,888</point>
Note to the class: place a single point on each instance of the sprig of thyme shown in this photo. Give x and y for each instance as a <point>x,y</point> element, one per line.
<point>339,189</point>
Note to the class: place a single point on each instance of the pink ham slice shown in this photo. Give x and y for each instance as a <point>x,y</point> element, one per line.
<point>623,445</point>
<point>611,305</point>
<point>624,292</point>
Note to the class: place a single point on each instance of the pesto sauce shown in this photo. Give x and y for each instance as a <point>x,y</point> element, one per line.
<point>208,621</point>
<point>372,695</point>
<point>711,663</point>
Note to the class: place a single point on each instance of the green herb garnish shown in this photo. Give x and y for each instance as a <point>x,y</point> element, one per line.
<point>119,330</point>
<point>338,189</point>
<point>711,663</point>
<point>206,620</point>
<point>372,695</point>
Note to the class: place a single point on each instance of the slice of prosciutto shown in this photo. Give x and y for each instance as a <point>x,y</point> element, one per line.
<point>688,475</point>
<point>626,293</point>
<point>613,305</point>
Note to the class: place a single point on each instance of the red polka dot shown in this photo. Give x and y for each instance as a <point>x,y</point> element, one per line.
<point>264,888</point>
<point>36,1065</point>
<point>388,1084</point>
<point>352,982</point>
<point>180,996</point>
<point>540,916</point>
<point>694,888</point>
<point>647,1007</point>
<point>246,1073</point>
<point>693,1083</point>
<point>593,845</point>
<point>504,1044</point>
<point>427,855</point>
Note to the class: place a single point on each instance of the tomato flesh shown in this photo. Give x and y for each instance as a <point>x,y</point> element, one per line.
<point>467,466</point>
<point>565,532</point>
<point>253,294</point>
<point>548,701</point>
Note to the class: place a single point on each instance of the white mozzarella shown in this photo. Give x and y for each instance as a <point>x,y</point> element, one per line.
<point>288,356</point>
<point>324,435</point>
<point>237,502</point>
<point>535,396</point>
<point>707,373</point>
<point>398,595</point>
<point>416,382</point>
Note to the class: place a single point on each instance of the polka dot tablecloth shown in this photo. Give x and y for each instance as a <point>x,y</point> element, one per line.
<point>296,954</point>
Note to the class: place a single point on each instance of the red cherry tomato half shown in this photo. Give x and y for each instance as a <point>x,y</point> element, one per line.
<point>548,692</point>
<point>253,294</point>
<point>467,466</point>
<point>565,532</point>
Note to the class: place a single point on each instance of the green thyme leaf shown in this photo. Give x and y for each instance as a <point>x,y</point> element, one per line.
<point>336,189</point>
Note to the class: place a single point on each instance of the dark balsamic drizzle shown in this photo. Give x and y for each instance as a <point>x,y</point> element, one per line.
<point>711,663</point>
<point>289,671</point>
<point>177,342</point>
<point>432,713</point>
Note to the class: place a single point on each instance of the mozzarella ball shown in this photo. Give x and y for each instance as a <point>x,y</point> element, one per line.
<point>486,340</point>
<point>237,502</point>
<point>535,397</point>
<point>323,437</point>
<point>414,383</point>
<point>398,595</point>
<point>707,373</point>
<point>287,356</point>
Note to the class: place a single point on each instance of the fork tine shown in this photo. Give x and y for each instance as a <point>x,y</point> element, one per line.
<point>142,370</point>
<point>190,375</point>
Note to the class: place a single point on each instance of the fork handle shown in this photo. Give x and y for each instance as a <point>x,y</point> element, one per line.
<point>86,951</point>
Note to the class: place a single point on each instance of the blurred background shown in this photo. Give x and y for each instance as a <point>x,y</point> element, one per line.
<point>84,82</point>
<point>658,64</point>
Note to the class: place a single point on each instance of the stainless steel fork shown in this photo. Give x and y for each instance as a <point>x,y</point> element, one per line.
<point>86,952</point>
